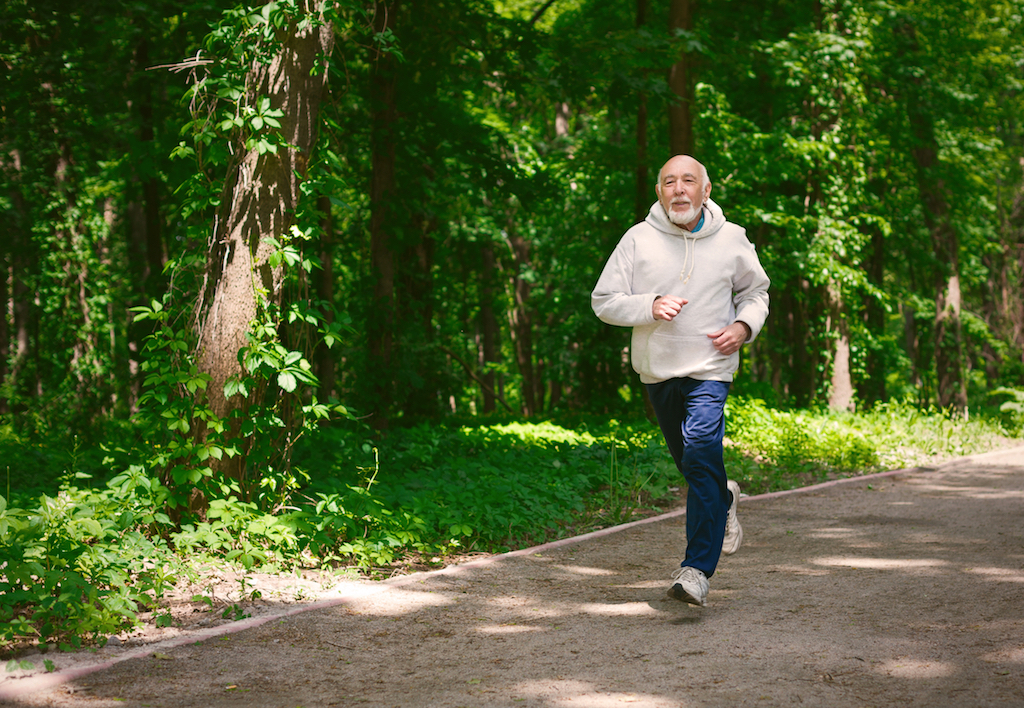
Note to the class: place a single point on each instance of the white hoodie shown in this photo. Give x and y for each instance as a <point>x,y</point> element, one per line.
<point>716,269</point>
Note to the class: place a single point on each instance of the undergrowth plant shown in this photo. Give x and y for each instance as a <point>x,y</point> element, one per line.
<point>78,566</point>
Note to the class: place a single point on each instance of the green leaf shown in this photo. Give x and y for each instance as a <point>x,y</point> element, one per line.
<point>286,380</point>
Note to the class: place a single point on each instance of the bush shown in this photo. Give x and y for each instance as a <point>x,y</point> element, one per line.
<point>80,563</point>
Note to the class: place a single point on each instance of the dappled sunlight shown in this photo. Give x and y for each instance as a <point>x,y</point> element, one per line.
<point>986,493</point>
<point>394,602</point>
<point>644,584</point>
<point>618,608</point>
<point>879,563</point>
<point>916,668</point>
<point>836,533</point>
<point>525,604</point>
<point>797,570</point>
<point>559,692</point>
<point>509,629</point>
<point>1004,656</point>
<point>585,570</point>
<point>1006,575</point>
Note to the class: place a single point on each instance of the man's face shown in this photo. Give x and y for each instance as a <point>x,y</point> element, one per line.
<point>682,189</point>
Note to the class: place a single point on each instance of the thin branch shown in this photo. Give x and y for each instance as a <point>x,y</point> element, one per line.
<point>540,11</point>
<point>187,64</point>
<point>476,378</point>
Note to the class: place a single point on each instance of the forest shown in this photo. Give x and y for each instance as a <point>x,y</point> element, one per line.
<point>258,258</point>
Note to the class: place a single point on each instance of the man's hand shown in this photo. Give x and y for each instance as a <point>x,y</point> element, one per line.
<point>667,307</point>
<point>728,340</point>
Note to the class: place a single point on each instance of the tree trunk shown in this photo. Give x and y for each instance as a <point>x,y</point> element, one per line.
<point>156,257</point>
<point>260,197</point>
<point>873,389</point>
<point>521,321</point>
<point>840,393</point>
<point>949,358</point>
<point>380,318</point>
<point>490,333</point>
<point>644,198</point>
<point>1013,274</point>
<point>325,360</point>
<point>680,81</point>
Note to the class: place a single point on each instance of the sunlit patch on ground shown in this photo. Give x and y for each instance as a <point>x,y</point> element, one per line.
<point>622,608</point>
<point>509,629</point>
<point>916,668</point>
<point>580,693</point>
<point>797,570</point>
<point>398,602</point>
<point>1013,655</point>
<point>584,570</point>
<point>1006,575</point>
<point>836,532</point>
<point>975,492</point>
<point>880,563</point>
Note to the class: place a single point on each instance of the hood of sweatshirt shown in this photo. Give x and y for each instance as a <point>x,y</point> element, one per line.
<point>714,220</point>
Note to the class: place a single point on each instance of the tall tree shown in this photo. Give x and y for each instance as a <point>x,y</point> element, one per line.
<point>681,79</point>
<point>284,81</point>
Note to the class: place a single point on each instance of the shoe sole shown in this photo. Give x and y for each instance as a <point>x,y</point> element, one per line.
<point>733,509</point>
<point>739,541</point>
<point>676,592</point>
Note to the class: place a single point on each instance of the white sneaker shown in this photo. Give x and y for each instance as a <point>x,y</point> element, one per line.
<point>689,585</point>
<point>733,530</point>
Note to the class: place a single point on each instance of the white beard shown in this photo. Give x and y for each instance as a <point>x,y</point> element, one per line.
<point>682,218</point>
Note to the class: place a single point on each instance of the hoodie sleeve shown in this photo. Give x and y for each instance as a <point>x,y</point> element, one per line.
<point>613,299</point>
<point>750,291</point>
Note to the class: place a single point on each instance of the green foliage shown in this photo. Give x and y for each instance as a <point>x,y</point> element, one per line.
<point>795,446</point>
<point>1011,408</point>
<point>170,408</point>
<point>78,566</point>
<point>438,490</point>
<point>799,439</point>
<point>83,561</point>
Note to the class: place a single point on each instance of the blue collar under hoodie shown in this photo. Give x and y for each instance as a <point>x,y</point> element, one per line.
<point>714,268</point>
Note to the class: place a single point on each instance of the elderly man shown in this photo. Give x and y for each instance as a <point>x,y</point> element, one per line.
<point>690,285</point>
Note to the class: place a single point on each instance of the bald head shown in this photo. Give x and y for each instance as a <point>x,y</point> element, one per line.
<point>682,165</point>
<point>683,187</point>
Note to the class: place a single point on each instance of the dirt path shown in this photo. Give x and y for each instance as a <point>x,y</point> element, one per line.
<point>898,590</point>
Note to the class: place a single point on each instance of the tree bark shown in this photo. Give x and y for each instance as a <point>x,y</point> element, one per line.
<point>260,196</point>
<point>840,393</point>
<point>680,81</point>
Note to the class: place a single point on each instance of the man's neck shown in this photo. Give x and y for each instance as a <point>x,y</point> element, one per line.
<point>696,223</point>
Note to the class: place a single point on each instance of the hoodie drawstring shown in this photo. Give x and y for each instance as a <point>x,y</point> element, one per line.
<point>689,259</point>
